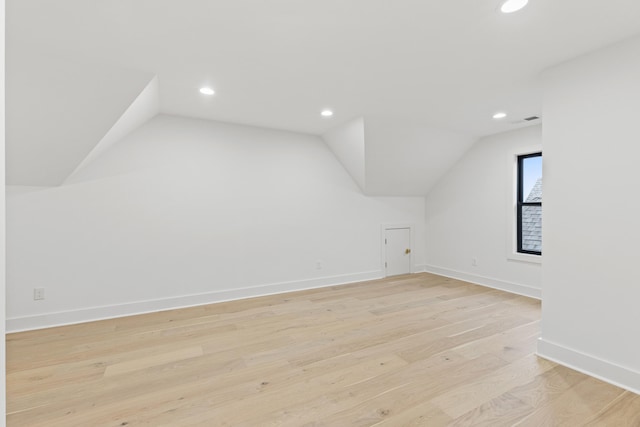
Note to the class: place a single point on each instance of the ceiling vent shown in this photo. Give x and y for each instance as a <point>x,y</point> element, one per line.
<point>530,119</point>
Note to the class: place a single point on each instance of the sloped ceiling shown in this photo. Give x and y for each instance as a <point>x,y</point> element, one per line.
<point>425,75</point>
<point>58,110</point>
<point>389,156</point>
<point>348,144</point>
<point>141,110</point>
<point>405,158</point>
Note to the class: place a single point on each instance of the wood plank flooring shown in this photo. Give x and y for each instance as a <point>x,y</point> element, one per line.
<point>417,350</point>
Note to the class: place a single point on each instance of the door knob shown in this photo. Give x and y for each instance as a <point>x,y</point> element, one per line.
<point>407,251</point>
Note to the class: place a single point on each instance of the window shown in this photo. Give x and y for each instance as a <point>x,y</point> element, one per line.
<point>529,204</point>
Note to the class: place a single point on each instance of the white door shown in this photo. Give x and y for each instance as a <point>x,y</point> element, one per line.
<point>398,251</point>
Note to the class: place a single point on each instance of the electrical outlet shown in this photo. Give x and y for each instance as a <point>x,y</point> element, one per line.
<point>474,262</point>
<point>38,294</point>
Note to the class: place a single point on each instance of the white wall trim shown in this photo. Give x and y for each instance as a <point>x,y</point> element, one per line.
<point>514,288</point>
<point>590,365</point>
<point>61,318</point>
<point>512,200</point>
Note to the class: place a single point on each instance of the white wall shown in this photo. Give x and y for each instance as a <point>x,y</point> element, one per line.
<point>468,216</point>
<point>2,224</point>
<point>186,211</point>
<point>591,314</point>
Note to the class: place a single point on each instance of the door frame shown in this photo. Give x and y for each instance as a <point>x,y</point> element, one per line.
<point>383,248</point>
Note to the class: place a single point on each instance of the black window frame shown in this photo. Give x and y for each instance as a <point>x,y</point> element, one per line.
<point>521,203</point>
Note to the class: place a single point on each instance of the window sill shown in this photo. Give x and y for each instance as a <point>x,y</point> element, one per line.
<point>532,259</point>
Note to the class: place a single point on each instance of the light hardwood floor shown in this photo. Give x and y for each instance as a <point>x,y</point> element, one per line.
<point>418,350</point>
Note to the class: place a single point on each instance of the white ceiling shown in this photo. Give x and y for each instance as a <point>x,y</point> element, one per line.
<point>276,63</point>
<point>426,75</point>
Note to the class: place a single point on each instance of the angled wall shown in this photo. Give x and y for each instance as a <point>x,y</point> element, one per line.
<point>183,212</point>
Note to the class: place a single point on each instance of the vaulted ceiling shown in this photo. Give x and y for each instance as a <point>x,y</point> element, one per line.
<point>425,76</point>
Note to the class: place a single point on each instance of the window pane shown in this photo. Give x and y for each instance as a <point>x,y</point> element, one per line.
<point>532,228</point>
<point>532,179</point>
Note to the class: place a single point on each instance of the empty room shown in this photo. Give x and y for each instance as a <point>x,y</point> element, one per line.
<point>320,213</point>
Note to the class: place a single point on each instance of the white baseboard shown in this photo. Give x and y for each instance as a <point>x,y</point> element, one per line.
<point>61,318</point>
<point>420,268</point>
<point>502,285</point>
<point>603,370</point>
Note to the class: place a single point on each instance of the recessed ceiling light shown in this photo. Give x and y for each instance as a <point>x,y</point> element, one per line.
<point>326,113</point>
<point>207,91</point>
<point>511,6</point>
<point>499,116</point>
